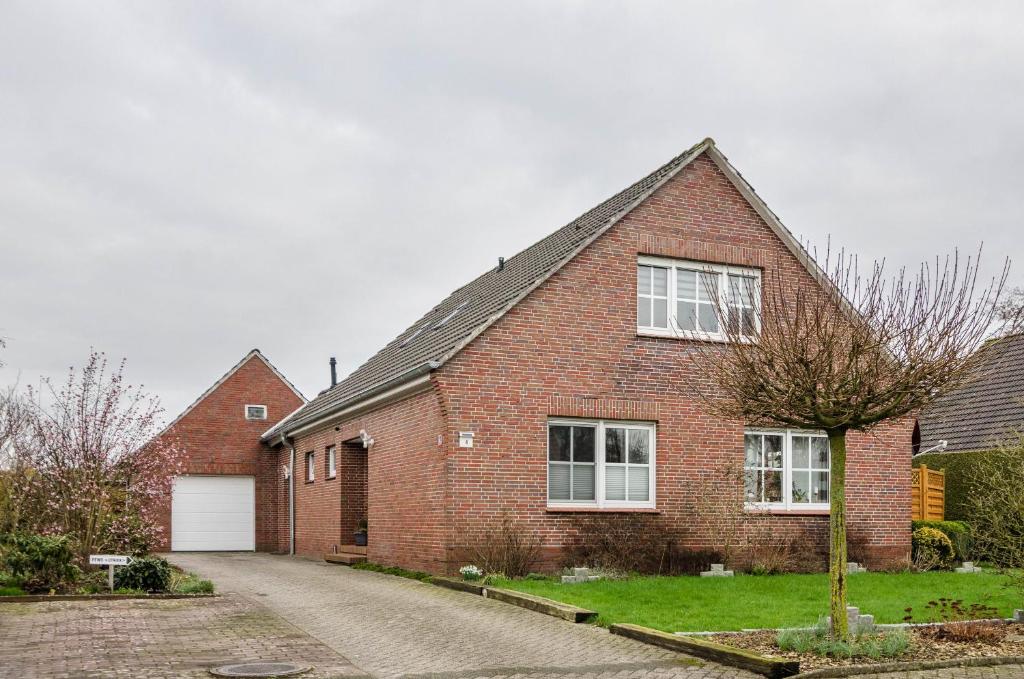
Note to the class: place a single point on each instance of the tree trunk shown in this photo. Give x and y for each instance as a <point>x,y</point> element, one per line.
<point>837,572</point>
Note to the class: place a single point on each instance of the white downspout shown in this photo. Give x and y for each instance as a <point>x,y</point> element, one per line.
<point>291,494</point>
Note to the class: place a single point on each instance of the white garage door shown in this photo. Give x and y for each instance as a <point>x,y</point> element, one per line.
<point>213,513</point>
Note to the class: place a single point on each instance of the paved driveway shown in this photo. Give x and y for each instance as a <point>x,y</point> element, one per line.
<point>392,627</point>
<point>165,639</point>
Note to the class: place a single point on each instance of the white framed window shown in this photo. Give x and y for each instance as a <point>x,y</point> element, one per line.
<point>310,467</point>
<point>786,469</point>
<point>677,298</point>
<point>600,463</point>
<point>332,463</point>
<point>255,412</point>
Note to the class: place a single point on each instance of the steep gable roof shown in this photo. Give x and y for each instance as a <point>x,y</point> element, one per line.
<point>467,312</point>
<point>255,353</point>
<point>987,408</point>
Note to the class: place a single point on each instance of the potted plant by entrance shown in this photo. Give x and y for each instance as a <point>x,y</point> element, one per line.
<point>360,533</point>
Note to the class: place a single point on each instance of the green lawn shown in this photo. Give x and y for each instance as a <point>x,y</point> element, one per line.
<point>690,604</point>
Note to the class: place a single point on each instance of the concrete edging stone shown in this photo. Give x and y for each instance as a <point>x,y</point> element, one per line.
<point>521,599</point>
<point>31,598</point>
<point>855,670</point>
<point>726,655</point>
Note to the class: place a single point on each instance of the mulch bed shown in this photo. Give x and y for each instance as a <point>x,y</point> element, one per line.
<point>924,646</point>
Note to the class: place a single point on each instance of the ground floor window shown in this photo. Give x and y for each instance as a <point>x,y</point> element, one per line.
<point>600,463</point>
<point>332,463</point>
<point>786,469</point>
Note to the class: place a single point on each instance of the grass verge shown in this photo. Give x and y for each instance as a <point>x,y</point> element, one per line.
<point>692,604</point>
<point>189,583</point>
<point>393,570</point>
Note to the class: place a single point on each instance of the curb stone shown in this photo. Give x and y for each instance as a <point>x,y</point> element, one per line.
<point>855,670</point>
<point>528,601</point>
<point>31,598</point>
<point>774,668</point>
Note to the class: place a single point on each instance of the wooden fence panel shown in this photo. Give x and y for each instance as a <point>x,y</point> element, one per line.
<point>928,493</point>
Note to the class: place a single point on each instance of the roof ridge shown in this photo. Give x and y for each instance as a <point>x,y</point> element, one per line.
<point>252,353</point>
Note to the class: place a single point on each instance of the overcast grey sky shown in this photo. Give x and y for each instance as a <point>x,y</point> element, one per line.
<point>181,182</point>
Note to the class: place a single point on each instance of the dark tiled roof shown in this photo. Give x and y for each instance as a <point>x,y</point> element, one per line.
<point>987,408</point>
<point>448,325</point>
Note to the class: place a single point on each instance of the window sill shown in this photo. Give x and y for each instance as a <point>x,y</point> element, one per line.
<point>687,335</point>
<point>308,482</point>
<point>332,477</point>
<point>782,511</point>
<point>601,510</point>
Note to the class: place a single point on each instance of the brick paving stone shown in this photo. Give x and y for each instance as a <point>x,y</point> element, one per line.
<point>150,639</point>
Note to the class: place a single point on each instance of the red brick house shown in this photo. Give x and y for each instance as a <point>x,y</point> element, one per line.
<point>549,386</point>
<point>226,499</point>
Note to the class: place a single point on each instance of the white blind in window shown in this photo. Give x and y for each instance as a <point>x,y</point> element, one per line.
<point>615,483</point>
<point>558,481</point>
<point>639,483</point>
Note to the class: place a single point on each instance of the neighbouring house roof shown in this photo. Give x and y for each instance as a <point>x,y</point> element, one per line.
<point>255,353</point>
<point>985,410</point>
<point>471,309</point>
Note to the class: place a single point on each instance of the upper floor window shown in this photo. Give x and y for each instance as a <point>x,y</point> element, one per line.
<point>687,299</point>
<point>786,469</point>
<point>600,463</point>
<point>332,463</point>
<point>255,412</point>
<point>310,467</point>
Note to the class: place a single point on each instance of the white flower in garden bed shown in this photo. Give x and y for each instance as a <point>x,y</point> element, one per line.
<point>471,572</point>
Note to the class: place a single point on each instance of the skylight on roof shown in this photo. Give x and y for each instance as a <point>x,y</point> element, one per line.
<point>414,335</point>
<point>451,315</point>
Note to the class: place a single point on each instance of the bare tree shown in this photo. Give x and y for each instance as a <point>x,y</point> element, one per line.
<point>840,351</point>
<point>1011,311</point>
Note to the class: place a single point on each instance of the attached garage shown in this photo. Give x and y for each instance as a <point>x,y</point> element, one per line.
<point>213,514</point>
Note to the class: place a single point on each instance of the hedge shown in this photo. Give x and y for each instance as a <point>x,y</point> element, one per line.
<point>957,467</point>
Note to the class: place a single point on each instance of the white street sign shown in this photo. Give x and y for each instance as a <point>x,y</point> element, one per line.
<point>109,560</point>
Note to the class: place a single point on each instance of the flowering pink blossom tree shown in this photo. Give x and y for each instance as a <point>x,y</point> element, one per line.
<point>98,471</point>
<point>14,439</point>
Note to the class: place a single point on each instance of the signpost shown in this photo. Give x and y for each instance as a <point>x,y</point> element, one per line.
<point>111,561</point>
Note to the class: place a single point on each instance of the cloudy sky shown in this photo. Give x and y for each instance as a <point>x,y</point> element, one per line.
<point>181,182</point>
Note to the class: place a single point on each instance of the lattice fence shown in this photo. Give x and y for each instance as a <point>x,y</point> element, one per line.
<point>928,490</point>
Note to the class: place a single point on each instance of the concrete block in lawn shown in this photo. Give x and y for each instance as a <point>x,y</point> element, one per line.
<point>968,567</point>
<point>579,575</point>
<point>717,571</point>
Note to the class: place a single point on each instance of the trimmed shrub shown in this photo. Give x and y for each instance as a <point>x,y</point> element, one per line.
<point>931,549</point>
<point>958,532</point>
<point>39,562</point>
<point>148,574</point>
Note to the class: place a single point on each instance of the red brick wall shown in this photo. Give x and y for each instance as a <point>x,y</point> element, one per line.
<point>219,440</point>
<point>571,348</point>
<point>404,474</point>
<point>317,503</point>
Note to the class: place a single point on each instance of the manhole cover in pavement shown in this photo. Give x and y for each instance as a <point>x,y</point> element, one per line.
<point>259,669</point>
